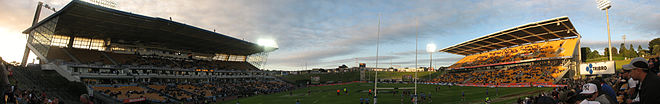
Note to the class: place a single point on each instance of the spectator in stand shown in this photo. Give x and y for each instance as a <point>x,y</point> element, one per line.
<point>4,80</point>
<point>632,92</point>
<point>649,82</point>
<point>84,98</point>
<point>654,65</point>
<point>606,88</point>
<point>603,98</point>
<point>590,91</point>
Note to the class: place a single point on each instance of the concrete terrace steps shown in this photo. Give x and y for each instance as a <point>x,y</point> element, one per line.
<point>49,81</point>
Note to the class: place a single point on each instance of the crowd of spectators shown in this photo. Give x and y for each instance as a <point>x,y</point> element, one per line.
<point>187,63</point>
<point>534,72</point>
<point>11,93</point>
<point>198,92</point>
<point>638,83</point>
<point>166,60</point>
<point>529,51</point>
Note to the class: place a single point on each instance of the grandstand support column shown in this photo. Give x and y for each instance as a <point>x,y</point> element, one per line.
<point>579,58</point>
<point>26,53</point>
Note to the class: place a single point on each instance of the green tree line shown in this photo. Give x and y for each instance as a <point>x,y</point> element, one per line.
<point>630,51</point>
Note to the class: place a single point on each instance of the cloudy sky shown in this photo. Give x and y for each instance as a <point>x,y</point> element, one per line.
<point>329,33</point>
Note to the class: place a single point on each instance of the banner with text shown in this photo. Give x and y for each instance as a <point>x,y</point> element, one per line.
<point>606,67</point>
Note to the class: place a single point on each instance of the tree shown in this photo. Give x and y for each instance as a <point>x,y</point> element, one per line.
<point>641,51</point>
<point>593,54</point>
<point>623,50</point>
<point>587,51</point>
<point>614,52</point>
<point>656,49</point>
<point>632,52</point>
<point>590,54</point>
<point>652,44</point>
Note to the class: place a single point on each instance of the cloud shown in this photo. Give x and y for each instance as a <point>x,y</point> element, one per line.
<point>424,62</point>
<point>364,59</point>
<point>326,33</point>
<point>405,53</point>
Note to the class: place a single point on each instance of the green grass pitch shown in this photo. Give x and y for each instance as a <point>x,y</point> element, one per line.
<point>444,95</point>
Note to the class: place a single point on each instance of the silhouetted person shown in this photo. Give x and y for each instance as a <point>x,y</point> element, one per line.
<point>4,81</point>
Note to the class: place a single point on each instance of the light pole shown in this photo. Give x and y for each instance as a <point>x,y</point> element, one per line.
<point>416,67</point>
<point>605,5</point>
<point>376,75</point>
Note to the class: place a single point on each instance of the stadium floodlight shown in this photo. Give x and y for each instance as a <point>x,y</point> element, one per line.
<point>267,43</point>
<point>605,5</point>
<point>430,47</point>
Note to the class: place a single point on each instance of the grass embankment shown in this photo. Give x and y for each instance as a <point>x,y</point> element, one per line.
<point>323,78</point>
<point>618,60</point>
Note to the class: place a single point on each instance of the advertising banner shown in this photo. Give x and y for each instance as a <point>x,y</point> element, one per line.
<point>606,67</point>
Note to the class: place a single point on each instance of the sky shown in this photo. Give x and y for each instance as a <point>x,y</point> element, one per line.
<point>329,33</point>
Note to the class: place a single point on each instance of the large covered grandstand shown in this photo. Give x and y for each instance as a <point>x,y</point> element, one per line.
<point>128,57</point>
<point>539,52</point>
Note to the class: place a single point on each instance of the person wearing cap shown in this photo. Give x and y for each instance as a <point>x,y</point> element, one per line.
<point>649,82</point>
<point>590,91</point>
<point>633,95</point>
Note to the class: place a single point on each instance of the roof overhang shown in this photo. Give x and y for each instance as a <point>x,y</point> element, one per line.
<point>551,29</point>
<point>82,19</point>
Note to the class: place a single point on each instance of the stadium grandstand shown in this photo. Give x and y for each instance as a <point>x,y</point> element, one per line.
<point>123,57</point>
<point>535,53</point>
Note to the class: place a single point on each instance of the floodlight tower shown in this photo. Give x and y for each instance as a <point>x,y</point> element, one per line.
<point>605,5</point>
<point>269,45</point>
<point>430,48</point>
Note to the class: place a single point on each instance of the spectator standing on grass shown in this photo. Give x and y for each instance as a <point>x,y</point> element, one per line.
<point>649,92</point>
<point>370,92</point>
<point>486,92</point>
<point>361,100</point>
<point>462,95</point>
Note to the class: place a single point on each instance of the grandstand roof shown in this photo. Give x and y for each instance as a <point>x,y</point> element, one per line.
<point>556,28</point>
<point>82,19</point>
